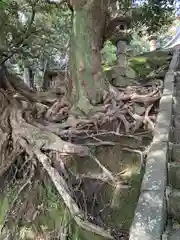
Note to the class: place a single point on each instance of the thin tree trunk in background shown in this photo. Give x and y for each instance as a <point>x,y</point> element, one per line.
<point>27,76</point>
<point>46,79</point>
<point>86,43</point>
<point>72,67</point>
<point>38,79</point>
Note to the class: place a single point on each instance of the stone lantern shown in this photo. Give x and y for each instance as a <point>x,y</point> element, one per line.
<point>118,31</point>
<point>121,41</point>
<point>153,42</point>
<point>120,37</point>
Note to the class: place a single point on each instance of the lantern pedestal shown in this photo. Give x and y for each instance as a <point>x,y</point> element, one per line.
<point>153,43</point>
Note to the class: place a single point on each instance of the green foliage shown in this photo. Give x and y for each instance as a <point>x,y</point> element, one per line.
<point>148,62</point>
<point>53,218</point>
<point>138,45</point>
<point>153,16</point>
<point>37,31</point>
<point>33,30</point>
<point>108,55</point>
<point>55,215</point>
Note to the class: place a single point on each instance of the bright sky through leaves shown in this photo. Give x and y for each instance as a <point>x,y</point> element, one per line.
<point>177,7</point>
<point>137,3</point>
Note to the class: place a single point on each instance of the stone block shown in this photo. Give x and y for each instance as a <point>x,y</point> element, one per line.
<point>176,99</point>
<point>177,109</point>
<point>162,130</point>
<point>176,135</point>
<point>173,199</point>
<point>130,73</point>
<point>150,216</point>
<point>120,76</point>
<point>174,235</point>
<point>168,84</point>
<point>164,119</point>
<point>176,90</point>
<point>167,230</point>
<point>176,121</point>
<point>171,134</point>
<point>174,62</point>
<point>174,175</point>
<point>155,176</point>
<point>165,103</point>
<point>177,76</point>
<point>176,152</point>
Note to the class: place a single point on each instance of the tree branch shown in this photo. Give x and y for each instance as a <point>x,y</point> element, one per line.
<point>56,2</point>
<point>21,42</point>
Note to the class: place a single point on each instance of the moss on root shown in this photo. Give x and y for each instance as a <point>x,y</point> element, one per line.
<point>41,208</point>
<point>148,62</point>
<point>45,214</point>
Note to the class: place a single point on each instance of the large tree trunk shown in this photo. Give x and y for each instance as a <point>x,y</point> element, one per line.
<point>89,20</point>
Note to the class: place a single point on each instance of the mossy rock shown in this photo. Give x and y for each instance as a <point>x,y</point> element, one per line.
<point>127,166</point>
<point>130,73</point>
<point>120,76</point>
<point>148,62</point>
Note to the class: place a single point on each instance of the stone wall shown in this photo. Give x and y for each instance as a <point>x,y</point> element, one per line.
<point>150,215</point>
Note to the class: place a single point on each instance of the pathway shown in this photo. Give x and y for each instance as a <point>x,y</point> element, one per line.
<point>158,206</point>
<point>172,231</point>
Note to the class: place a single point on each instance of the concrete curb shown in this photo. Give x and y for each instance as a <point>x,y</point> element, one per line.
<point>150,215</point>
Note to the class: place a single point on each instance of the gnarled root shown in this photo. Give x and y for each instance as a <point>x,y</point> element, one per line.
<point>26,127</point>
<point>130,108</point>
<point>17,135</point>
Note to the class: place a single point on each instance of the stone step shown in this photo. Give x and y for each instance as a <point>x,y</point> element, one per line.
<point>177,91</point>
<point>174,175</point>
<point>173,200</point>
<point>176,120</point>
<point>177,94</point>
<point>177,83</point>
<point>176,100</point>
<point>174,235</point>
<point>176,115</point>
<point>176,136</point>
<point>176,103</point>
<point>175,154</point>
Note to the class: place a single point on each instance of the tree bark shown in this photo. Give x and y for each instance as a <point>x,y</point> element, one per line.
<point>45,85</point>
<point>45,77</point>
<point>22,136</point>
<point>27,76</point>
<point>38,79</point>
<point>88,25</point>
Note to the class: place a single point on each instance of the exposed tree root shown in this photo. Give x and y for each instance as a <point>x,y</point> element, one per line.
<point>35,127</point>
<point>131,107</point>
<point>105,170</point>
<point>129,110</point>
<point>35,141</point>
<point>61,186</point>
<point>18,135</point>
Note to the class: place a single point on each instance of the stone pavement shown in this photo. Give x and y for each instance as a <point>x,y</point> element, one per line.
<point>152,210</point>
<point>173,191</point>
